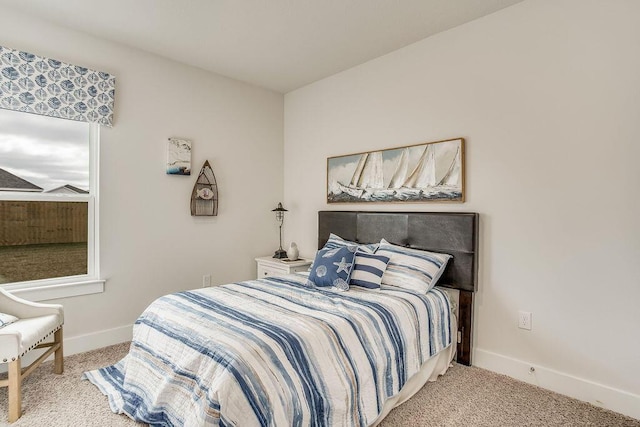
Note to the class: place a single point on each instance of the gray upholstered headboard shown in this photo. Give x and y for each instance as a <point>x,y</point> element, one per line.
<point>455,233</point>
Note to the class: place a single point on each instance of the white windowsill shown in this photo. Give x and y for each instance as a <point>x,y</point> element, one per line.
<point>60,290</point>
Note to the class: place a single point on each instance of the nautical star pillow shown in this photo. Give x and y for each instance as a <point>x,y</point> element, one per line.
<point>332,268</point>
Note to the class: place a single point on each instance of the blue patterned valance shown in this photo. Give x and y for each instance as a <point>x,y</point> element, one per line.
<point>33,84</point>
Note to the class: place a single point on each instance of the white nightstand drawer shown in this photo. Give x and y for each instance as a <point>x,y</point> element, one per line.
<point>266,271</point>
<point>268,266</point>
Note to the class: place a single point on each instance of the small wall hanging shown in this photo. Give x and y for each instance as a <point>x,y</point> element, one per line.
<point>204,197</point>
<point>178,156</point>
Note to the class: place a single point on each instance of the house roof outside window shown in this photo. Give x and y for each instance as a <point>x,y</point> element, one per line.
<point>11,182</point>
<point>67,189</point>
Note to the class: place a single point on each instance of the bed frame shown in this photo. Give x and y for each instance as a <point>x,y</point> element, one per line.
<point>455,233</point>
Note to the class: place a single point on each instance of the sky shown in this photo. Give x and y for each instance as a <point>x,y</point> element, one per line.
<point>46,151</point>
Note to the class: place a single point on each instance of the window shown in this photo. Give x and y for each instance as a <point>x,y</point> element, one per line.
<point>48,220</point>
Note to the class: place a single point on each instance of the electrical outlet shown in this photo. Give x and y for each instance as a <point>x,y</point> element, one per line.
<point>524,320</point>
<point>206,281</point>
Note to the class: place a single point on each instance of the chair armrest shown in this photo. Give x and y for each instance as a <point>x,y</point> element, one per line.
<point>9,346</point>
<point>24,309</point>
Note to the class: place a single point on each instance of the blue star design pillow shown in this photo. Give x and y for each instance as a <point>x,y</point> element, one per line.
<point>332,267</point>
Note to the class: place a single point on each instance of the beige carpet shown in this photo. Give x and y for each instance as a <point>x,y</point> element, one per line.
<point>463,397</point>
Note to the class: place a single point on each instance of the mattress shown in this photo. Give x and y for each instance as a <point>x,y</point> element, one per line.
<point>275,352</point>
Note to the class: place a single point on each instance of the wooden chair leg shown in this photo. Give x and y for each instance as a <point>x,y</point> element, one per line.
<point>15,393</point>
<point>58,366</point>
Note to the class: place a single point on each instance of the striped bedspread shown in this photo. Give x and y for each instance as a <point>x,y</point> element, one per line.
<point>273,352</point>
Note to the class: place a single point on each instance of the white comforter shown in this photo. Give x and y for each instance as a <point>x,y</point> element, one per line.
<point>273,352</point>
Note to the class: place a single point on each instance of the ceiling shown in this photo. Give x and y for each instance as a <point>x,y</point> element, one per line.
<point>277,44</point>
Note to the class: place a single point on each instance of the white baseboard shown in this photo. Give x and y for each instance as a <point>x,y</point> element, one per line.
<point>95,340</point>
<point>588,391</point>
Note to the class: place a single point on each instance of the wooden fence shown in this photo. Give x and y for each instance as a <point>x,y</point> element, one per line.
<point>31,223</point>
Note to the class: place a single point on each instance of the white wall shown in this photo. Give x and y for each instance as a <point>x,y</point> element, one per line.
<point>150,244</point>
<point>547,95</point>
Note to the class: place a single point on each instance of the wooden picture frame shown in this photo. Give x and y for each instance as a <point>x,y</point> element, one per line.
<point>432,171</point>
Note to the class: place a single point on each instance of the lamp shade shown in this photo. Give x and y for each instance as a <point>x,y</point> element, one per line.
<point>279,208</point>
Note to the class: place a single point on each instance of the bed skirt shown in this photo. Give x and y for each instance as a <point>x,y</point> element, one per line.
<point>429,372</point>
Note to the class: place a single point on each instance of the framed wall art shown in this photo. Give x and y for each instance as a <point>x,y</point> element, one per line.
<point>433,171</point>
<point>178,156</point>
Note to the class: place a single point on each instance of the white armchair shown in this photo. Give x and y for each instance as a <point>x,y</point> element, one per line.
<point>36,322</point>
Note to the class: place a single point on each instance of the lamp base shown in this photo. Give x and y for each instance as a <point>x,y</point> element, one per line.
<point>280,253</point>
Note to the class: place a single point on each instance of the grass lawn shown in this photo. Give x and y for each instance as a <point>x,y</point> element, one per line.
<point>33,262</point>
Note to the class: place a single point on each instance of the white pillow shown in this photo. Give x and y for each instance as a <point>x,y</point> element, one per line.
<point>7,319</point>
<point>412,269</point>
<point>336,241</point>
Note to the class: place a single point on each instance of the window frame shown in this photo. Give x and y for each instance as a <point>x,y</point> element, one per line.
<point>69,286</point>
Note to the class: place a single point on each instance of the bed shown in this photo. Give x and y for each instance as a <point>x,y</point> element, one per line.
<point>276,351</point>
<point>455,233</point>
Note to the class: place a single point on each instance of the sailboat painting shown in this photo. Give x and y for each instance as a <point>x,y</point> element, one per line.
<point>432,171</point>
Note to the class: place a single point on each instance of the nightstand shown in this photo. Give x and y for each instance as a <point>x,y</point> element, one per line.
<point>268,266</point>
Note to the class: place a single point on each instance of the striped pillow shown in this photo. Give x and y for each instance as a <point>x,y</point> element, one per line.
<point>7,319</point>
<point>368,269</point>
<point>412,269</point>
<point>336,241</point>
